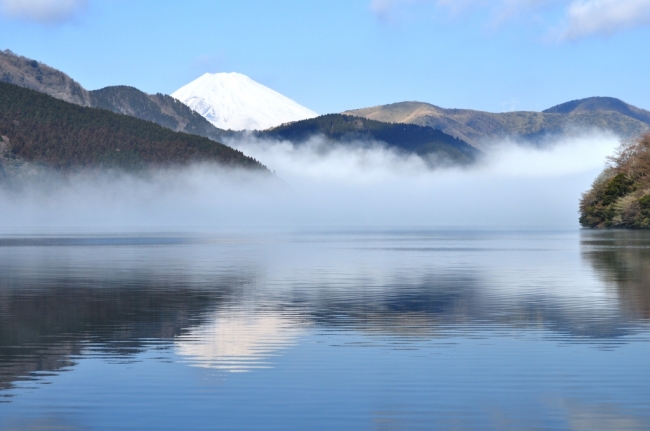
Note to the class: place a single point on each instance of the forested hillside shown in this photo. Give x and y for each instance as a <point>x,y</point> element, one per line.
<point>411,138</point>
<point>620,196</point>
<point>38,128</point>
<point>158,108</point>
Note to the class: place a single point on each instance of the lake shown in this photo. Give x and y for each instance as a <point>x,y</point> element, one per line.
<point>323,330</point>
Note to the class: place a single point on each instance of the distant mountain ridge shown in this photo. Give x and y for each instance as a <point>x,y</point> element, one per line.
<point>592,104</point>
<point>28,73</point>
<point>158,108</point>
<point>171,113</point>
<point>432,145</point>
<point>478,128</point>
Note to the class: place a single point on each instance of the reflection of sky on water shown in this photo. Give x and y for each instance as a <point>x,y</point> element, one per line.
<point>463,330</point>
<point>601,417</point>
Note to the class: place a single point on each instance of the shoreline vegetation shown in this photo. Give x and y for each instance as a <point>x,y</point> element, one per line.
<point>620,195</point>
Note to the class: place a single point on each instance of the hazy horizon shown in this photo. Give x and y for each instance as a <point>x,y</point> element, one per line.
<point>324,185</point>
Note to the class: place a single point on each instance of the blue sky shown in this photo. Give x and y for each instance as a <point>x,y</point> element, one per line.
<point>333,55</point>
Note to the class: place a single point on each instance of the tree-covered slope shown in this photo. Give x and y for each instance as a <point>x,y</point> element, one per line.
<point>158,108</point>
<point>620,196</point>
<point>411,138</point>
<point>38,128</point>
<point>130,101</point>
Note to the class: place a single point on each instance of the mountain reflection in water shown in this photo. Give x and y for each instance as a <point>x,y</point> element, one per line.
<point>622,259</point>
<point>241,304</point>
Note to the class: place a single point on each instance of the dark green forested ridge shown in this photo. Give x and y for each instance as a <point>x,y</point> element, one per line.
<point>158,108</point>
<point>424,141</point>
<point>38,128</point>
<point>620,196</point>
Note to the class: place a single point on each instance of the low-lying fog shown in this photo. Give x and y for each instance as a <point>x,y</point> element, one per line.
<point>324,186</point>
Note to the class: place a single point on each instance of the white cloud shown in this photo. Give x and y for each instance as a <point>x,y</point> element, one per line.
<point>577,18</point>
<point>587,17</point>
<point>42,11</point>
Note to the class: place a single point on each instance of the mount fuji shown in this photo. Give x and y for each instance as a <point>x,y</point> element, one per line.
<point>236,102</point>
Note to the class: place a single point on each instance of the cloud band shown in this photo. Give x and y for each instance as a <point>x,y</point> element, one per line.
<point>42,11</point>
<point>580,18</point>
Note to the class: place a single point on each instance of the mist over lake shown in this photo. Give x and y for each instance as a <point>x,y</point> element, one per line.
<point>323,184</point>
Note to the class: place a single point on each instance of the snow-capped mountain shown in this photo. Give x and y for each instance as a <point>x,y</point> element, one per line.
<point>234,101</point>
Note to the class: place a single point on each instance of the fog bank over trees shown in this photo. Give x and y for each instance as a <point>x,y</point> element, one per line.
<point>320,185</point>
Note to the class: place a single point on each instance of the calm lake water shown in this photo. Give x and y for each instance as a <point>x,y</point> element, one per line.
<point>381,330</point>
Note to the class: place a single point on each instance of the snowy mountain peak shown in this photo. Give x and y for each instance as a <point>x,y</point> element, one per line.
<point>234,101</point>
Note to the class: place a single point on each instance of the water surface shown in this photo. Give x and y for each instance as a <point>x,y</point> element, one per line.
<point>328,330</point>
